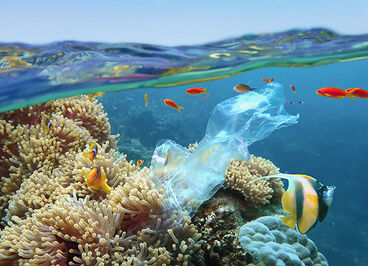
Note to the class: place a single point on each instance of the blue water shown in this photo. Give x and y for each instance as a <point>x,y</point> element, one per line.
<point>329,142</point>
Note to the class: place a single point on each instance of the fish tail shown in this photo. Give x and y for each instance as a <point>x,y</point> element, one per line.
<point>179,108</point>
<point>289,221</point>
<point>145,104</point>
<point>106,188</point>
<point>350,95</point>
<point>205,91</point>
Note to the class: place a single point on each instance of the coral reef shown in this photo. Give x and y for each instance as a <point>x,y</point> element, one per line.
<point>27,149</point>
<point>50,216</point>
<point>239,173</point>
<point>271,242</point>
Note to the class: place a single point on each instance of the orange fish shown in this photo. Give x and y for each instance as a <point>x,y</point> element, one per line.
<point>146,99</point>
<point>193,91</point>
<point>92,151</point>
<point>293,88</point>
<point>96,179</point>
<point>358,92</point>
<point>172,104</point>
<point>335,93</point>
<point>241,88</point>
<point>140,162</point>
<point>267,80</point>
<point>45,123</point>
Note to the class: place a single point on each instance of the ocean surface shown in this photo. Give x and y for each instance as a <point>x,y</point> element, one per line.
<point>329,142</point>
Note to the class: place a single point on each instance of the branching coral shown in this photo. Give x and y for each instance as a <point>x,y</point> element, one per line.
<point>239,173</point>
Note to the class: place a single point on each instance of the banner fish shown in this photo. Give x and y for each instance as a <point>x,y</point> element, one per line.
<point>306,201</point>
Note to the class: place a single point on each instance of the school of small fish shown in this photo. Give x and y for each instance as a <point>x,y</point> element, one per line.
<point>306,201</point>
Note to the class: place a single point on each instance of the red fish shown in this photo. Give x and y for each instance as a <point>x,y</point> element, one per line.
<point>267,80</point>
<point>358,92</point>
<point>293,88</point>
<point>172,104</point>
<point>335,93</point>
<point>193,91</point>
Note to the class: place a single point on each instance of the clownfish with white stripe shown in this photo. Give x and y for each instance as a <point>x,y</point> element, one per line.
<point>45,123</point>
<point>96,179</point>
<point>306,201</point>
<point>91,155</point>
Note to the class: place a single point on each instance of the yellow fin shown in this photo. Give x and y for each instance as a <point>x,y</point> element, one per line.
<point>310,213</point>
<point>306,176</point>
<point>312,198</point>
<point>92,145</point>
<point>289,221</point>
<point>349,95</point>
<point>205,91</point>
<point>85,154</point>
<point>288,202</point>
<point>106,188</point>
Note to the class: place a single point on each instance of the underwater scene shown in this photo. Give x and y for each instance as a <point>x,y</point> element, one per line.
<point>247,151</point>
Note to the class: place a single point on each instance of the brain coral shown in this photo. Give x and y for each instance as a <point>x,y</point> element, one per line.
<point>271,242</point>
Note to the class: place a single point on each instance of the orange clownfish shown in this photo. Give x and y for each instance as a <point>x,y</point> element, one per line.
<point>172,104</point>
<point>146,100</point>
<point>45,123</point>
<point>193,91</point>
<point>293,88</point>
<point>96,179</point>
<point>333,92</point>
<point>140,162</point>
<point>306,201</point>
<point>91,155</point>
<point>267,80</point>
<point>358,92</point>
<point>91,96</point>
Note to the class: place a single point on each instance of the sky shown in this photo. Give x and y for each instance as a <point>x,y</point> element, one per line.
<point>172,22</point>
